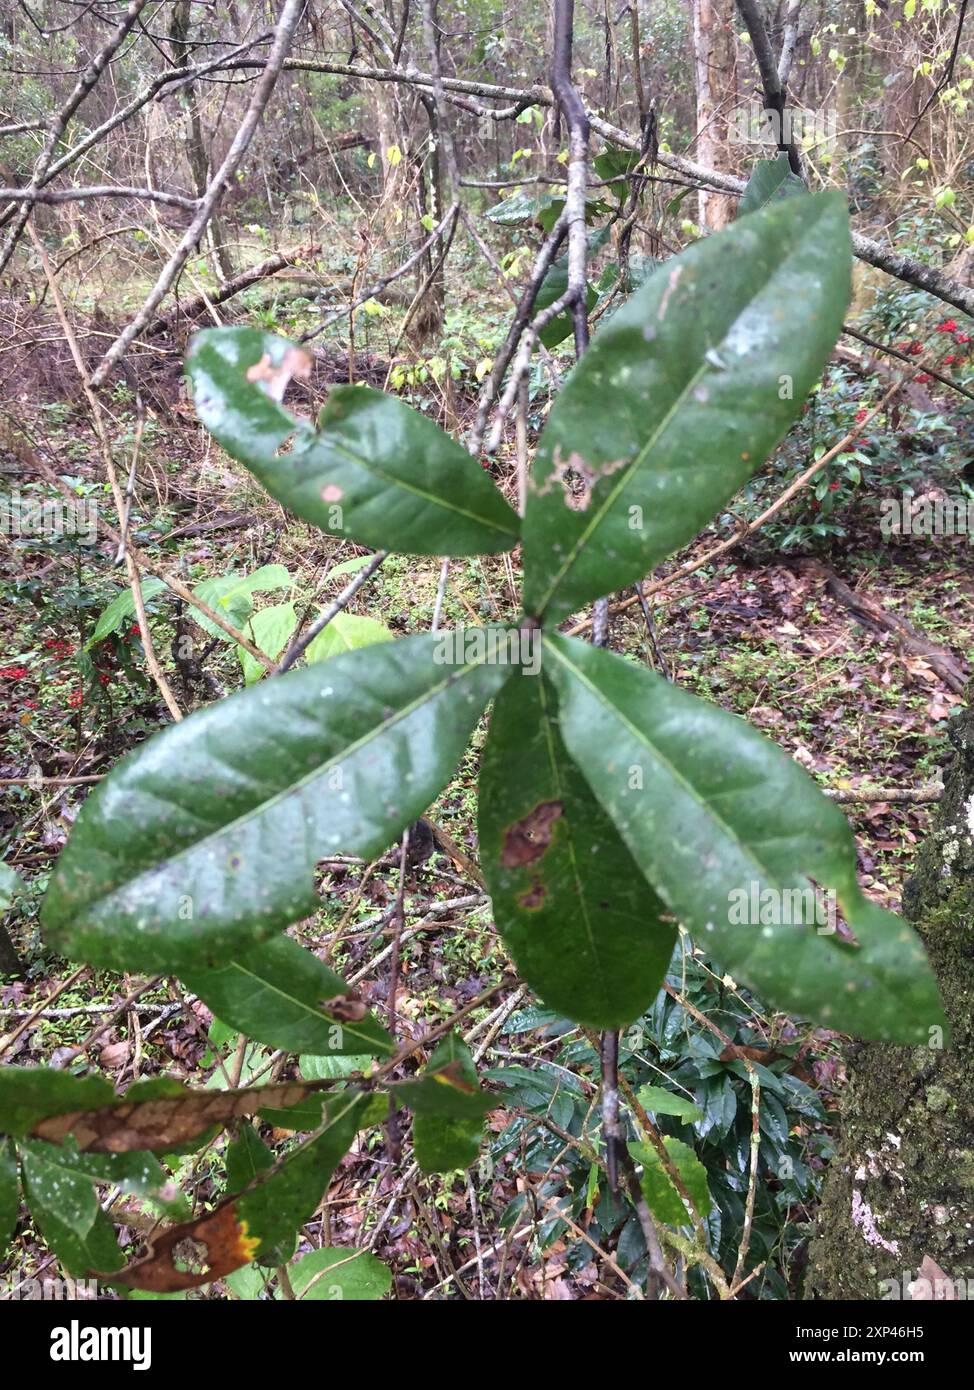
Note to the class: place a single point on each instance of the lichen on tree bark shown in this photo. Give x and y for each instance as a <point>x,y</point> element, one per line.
<point>901,1186</point>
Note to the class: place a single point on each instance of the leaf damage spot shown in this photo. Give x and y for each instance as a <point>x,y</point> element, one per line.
<point>275,379</point>
<point>534,898</point>
<point>577,478</point>
<point>331,492</point>
<point>527,839</point>
<point>347,1008</point>
<point>217,1244</point>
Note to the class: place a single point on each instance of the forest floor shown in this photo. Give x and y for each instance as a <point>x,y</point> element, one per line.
<point>763,633</point>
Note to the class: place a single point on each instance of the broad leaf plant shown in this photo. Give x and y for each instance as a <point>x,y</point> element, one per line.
<point>614,806</point>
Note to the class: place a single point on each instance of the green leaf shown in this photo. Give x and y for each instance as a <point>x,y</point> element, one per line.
<point>521,208</point>
<point>663,1199</point>
<point>270,630</point>
<point>280,1205</point>
<point>346,633</point>
<point>771,179</point>
<point>615,164</point>
<point>660,1102</point>
<point>64,1205</point>
<point>9,1193</point>
<point>553,286</point>
<point>375,471</point>
<point>232,595</point>
<point>31,1094</point>
<point>275,993</point>
<point>352,566</point>
<point>10,886</point>
<point>705,367</point>
<point>579,918</point>
<point>247,1158</point>
<point>332,1066</point>
<point>122,608</point>
<point>714,813</point>
<point>336,1274</point>
<point>448,1107</point>
<point>204,840</point>
<point>97,1250</point>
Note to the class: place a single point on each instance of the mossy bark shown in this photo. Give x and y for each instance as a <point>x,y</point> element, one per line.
<point>901,1186</point>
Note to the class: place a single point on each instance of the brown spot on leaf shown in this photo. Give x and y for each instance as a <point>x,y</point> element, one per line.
<point>216,1244</point>
<point>577,477</point>
<point>347,1008</point>
<point>526,840</point>
<point>295,362</point>
<point>534,897</point>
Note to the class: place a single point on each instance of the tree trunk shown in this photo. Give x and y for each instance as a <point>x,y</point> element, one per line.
<point>900,1190</point>
<point>713,65</point>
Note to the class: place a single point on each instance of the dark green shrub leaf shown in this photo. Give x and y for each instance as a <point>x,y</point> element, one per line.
<point>682,394</point>
<point>580,920</point>
<point>375,470</point>
<point>276,994</point>
<point>449,1109</point>
<point>553,286</point>
<point>770,180</point>
<point>204,840</point>
<point>715,815</point>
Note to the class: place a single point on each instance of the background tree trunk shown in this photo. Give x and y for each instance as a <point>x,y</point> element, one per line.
<point>901,1187</point>
<point>714,72</point>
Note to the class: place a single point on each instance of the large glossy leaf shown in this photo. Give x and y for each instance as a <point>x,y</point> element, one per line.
<point>682,394</point>
<point>375,470</point>
<point>278,994</point>
<point>582,923</point>
<point>204,840</point>
<point>449,1109</point>
<point>712,810</point>
<point>341,1275</point>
